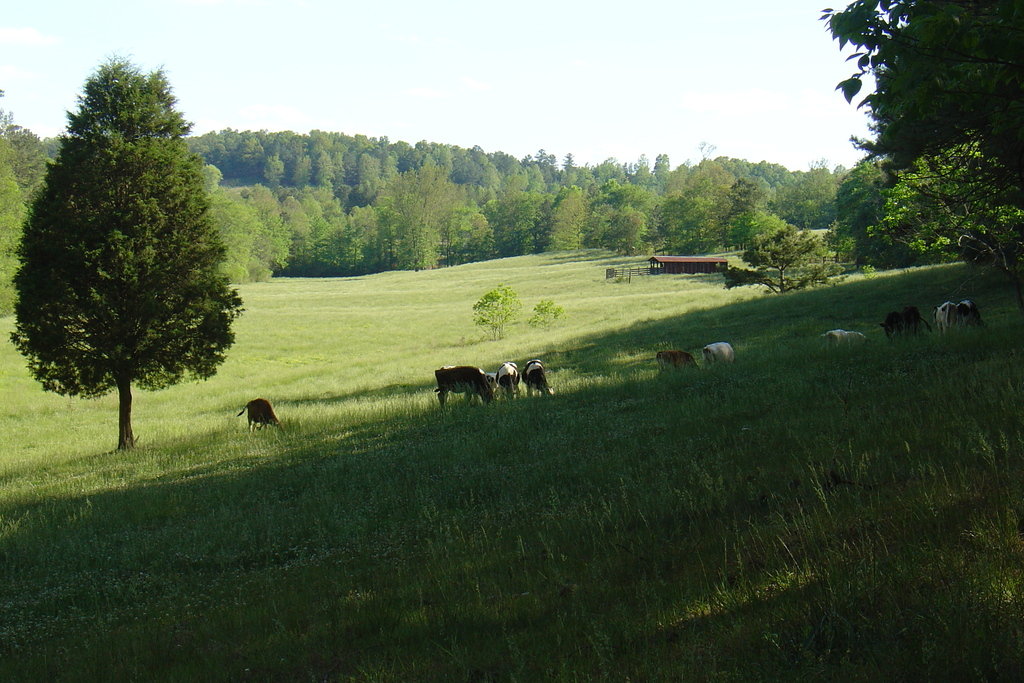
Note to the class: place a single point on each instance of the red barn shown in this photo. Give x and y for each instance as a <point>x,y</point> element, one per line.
<point>686,265</point>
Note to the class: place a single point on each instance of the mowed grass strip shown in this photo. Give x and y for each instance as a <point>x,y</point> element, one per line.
<point>849,512</point>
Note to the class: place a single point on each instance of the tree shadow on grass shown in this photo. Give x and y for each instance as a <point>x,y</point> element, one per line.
<point>577,257</point>
<point>360,499</point>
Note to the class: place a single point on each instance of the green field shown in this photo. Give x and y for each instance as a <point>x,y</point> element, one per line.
<point>851,513</point>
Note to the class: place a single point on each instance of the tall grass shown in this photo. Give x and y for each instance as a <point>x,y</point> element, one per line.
<point>806,512</point>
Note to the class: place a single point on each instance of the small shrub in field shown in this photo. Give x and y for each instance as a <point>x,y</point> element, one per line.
<point>497,308</point>
<point>545,312</point>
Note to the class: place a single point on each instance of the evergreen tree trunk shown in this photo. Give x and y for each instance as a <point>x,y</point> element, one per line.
<point>125,437</point>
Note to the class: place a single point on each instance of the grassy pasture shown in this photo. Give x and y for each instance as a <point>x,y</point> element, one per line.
<point>844,513</point>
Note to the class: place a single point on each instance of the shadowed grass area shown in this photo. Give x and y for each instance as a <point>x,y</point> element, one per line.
<point>848,513</point>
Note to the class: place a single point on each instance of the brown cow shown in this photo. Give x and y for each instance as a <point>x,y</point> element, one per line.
<point>675,359</point>
<point>462,379</point>
<point>260,413</point>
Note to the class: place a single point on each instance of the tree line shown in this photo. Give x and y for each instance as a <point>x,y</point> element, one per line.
<point>329,204</point>
<point>23,158</point>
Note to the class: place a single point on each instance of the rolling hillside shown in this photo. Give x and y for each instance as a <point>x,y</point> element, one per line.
<point>807,512</point>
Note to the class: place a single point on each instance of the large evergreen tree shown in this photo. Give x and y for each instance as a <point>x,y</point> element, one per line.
<point>119,282</point>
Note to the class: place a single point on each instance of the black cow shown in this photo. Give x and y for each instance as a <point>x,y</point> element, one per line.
<point>907,321</point>
<point>462,379</point>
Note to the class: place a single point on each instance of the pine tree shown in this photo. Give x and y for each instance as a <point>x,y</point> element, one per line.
<point>783,259</point>
<point>119,283</point>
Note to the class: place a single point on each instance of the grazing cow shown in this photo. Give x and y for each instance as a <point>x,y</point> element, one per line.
<point>837,337</point>
<point>945,316</point>
<point>962,314</point>
<point>674,359</point>
<point>462,379</point>
<point>893,324</point>
<point>719,352</point>
<point>507,378</point>
<point>261,413</point>
<point>968,313</point>
<point>907,321</point>
<point>535,378</point>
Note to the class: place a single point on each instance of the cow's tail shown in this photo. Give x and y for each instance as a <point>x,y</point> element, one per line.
<point>241,413</point>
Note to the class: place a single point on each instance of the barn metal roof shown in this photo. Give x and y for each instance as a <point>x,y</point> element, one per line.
<point>688,259</point>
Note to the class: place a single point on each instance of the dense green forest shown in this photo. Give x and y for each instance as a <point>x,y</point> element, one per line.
<point>333,204</point>
<point>22,163</point>
<point>330,204</point>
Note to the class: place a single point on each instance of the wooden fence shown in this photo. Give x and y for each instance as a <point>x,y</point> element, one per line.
<point>626,272</point>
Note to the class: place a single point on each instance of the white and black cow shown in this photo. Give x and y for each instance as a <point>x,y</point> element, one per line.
<point>962,314</point>
<point>462,379</point>
<point>968,313</point>
<point>507,379</point>
<point>535,378</point>
<point>719,352</point>
<point>945,316</point>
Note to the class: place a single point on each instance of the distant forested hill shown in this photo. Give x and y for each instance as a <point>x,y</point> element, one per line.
<point>356,167</point>
<point>330,204</point>
<point>334,204</point>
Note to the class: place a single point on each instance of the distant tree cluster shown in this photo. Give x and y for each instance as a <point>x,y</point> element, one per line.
<point>22,164</point>
<point>782,260</point>
<point>329,204</point>
<point>332,204</point>
<point>500,307</point>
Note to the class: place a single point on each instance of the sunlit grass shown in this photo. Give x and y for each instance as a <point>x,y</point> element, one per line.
<point>805,512</point>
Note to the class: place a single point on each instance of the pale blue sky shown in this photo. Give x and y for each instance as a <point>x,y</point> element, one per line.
<point>597,79</point>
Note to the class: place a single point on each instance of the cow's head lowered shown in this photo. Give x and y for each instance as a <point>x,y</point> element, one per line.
<point>507,379</point>
<point>261,413</point>
<point>535,378</point>
<point>462,379</point>
<point>674,359</point>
